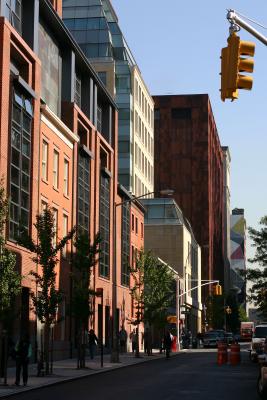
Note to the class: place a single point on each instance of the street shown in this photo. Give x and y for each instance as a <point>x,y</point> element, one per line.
<point>191,375</point>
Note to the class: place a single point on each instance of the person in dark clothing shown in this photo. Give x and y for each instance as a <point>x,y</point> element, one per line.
<point>147,342</point>
<point>23,352</point>
<point>167,343</point>
<point>92,342</point>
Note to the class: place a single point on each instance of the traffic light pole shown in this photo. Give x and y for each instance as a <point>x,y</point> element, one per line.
<point>236,22</point>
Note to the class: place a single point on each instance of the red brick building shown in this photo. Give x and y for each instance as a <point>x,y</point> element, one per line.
<point>189,160</point>
<point>58,147</point>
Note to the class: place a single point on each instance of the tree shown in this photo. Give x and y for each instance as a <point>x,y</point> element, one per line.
<point>48,297</point>
<point>10,279</point>
<point>152,290</point>
<point>85,258</point>
<point>258,276</point>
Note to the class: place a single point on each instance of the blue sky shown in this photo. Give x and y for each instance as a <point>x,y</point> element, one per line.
<point>177,46</point>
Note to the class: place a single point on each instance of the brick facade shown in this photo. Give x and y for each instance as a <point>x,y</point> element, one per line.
<point>90,128</point>
<point>189,160</point>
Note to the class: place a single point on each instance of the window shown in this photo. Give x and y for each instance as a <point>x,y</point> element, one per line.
<point>13,13</point>
<point>157,114</point>
<point>142,230</point>
<point>125,245</point>
<point>65,232</point>
<point>45,160</point>
<point>132,222</point>
<point>136,225</point>
<point>104,222</point>
<point>55,169</point>
<point>20,163</point>
<point>54,239</point>
<point>66,177</point>
<point>43,206</point>
<point>51,70</point>
<point>99,119</point>
<point>83,191</point>
<point>78,91</point>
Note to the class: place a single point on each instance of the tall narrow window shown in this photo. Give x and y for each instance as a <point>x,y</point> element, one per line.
<point>20,163</point>
<point>55,169</point>
<point>83,191</point>
<point>45,160</point>
<point>55,215</point>
<point>125,245</point>
<point>65,232</point>
<point>66,177</point>
<point>13,13</point>
<point>104,215</point>
<point>99,119</point>
<point>78,91</point>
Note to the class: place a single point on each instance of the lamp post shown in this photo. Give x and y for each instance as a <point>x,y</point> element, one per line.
<point>115,346</point>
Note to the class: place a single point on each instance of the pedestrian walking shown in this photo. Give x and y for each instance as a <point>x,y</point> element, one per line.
<point>92,343</point>
<point>147,342</point>
<point>23,352</point>
<point>167,343</point>
<point>123,339</point>
<point>133,339</point>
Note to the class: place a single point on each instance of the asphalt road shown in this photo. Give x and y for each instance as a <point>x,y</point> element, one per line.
<point>188,376</point>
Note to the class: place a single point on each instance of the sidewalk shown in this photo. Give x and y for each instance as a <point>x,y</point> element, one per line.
<point>65,370</point>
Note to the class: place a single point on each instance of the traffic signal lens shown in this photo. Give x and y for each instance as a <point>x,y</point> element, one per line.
<point>246,48</point>
<point>244,82</point>
<point>246,65</point>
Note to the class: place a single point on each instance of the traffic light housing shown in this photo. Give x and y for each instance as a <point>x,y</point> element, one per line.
<point>217,290</point>
<point>234,61</point>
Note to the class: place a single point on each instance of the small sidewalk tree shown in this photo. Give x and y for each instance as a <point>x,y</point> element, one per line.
<point>48,297</point>
<point>84,259</point>
<point>152,291</point>
<point>10,280</point>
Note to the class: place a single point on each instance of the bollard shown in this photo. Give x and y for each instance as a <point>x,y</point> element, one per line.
<point>235,354</point>
<point>222,355</point>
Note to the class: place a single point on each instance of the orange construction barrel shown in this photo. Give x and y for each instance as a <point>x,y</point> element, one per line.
<point>235,354</point>
<point>222,355</point>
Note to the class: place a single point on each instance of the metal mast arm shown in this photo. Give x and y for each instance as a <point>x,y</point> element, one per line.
<point>236,21</point>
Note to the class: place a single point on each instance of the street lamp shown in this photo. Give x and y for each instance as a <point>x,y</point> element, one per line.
<point>115,348</point>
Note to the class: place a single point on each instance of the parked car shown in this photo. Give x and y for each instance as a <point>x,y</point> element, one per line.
<point>212,338</point>
<point>229,338</point>
<point>262,379</point>
<point>258,341</point>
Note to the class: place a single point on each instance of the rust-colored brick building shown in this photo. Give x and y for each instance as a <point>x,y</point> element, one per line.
<point>58,147</point>
<point>189,159</point>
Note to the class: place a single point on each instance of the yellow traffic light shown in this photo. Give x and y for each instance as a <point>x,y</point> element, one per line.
<point>233,63</point>
<point>217,290</point>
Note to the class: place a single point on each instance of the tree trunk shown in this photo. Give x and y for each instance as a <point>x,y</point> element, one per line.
<point>46,346</point>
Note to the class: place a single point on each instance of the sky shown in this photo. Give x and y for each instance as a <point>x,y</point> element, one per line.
<point>177,46</point>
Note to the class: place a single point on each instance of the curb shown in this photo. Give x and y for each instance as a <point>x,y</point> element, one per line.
<point>70,379</point>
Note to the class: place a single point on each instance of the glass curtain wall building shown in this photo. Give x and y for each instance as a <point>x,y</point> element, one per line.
<point>95,27</point>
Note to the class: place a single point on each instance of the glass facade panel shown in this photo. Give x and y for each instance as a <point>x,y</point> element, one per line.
<point>125,240</point>
<point>13,13</point>
<point>50,58</point>
<point>83,191</point>
<point>20,179</point>
<point>104,221</point>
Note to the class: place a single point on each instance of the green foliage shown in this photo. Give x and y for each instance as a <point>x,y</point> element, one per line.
<point>84,260</point>
<point>242,314</point>
<point>48,298</point>
<point>152,289</point>
<point>10,279</point>
<point>258,276</point>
